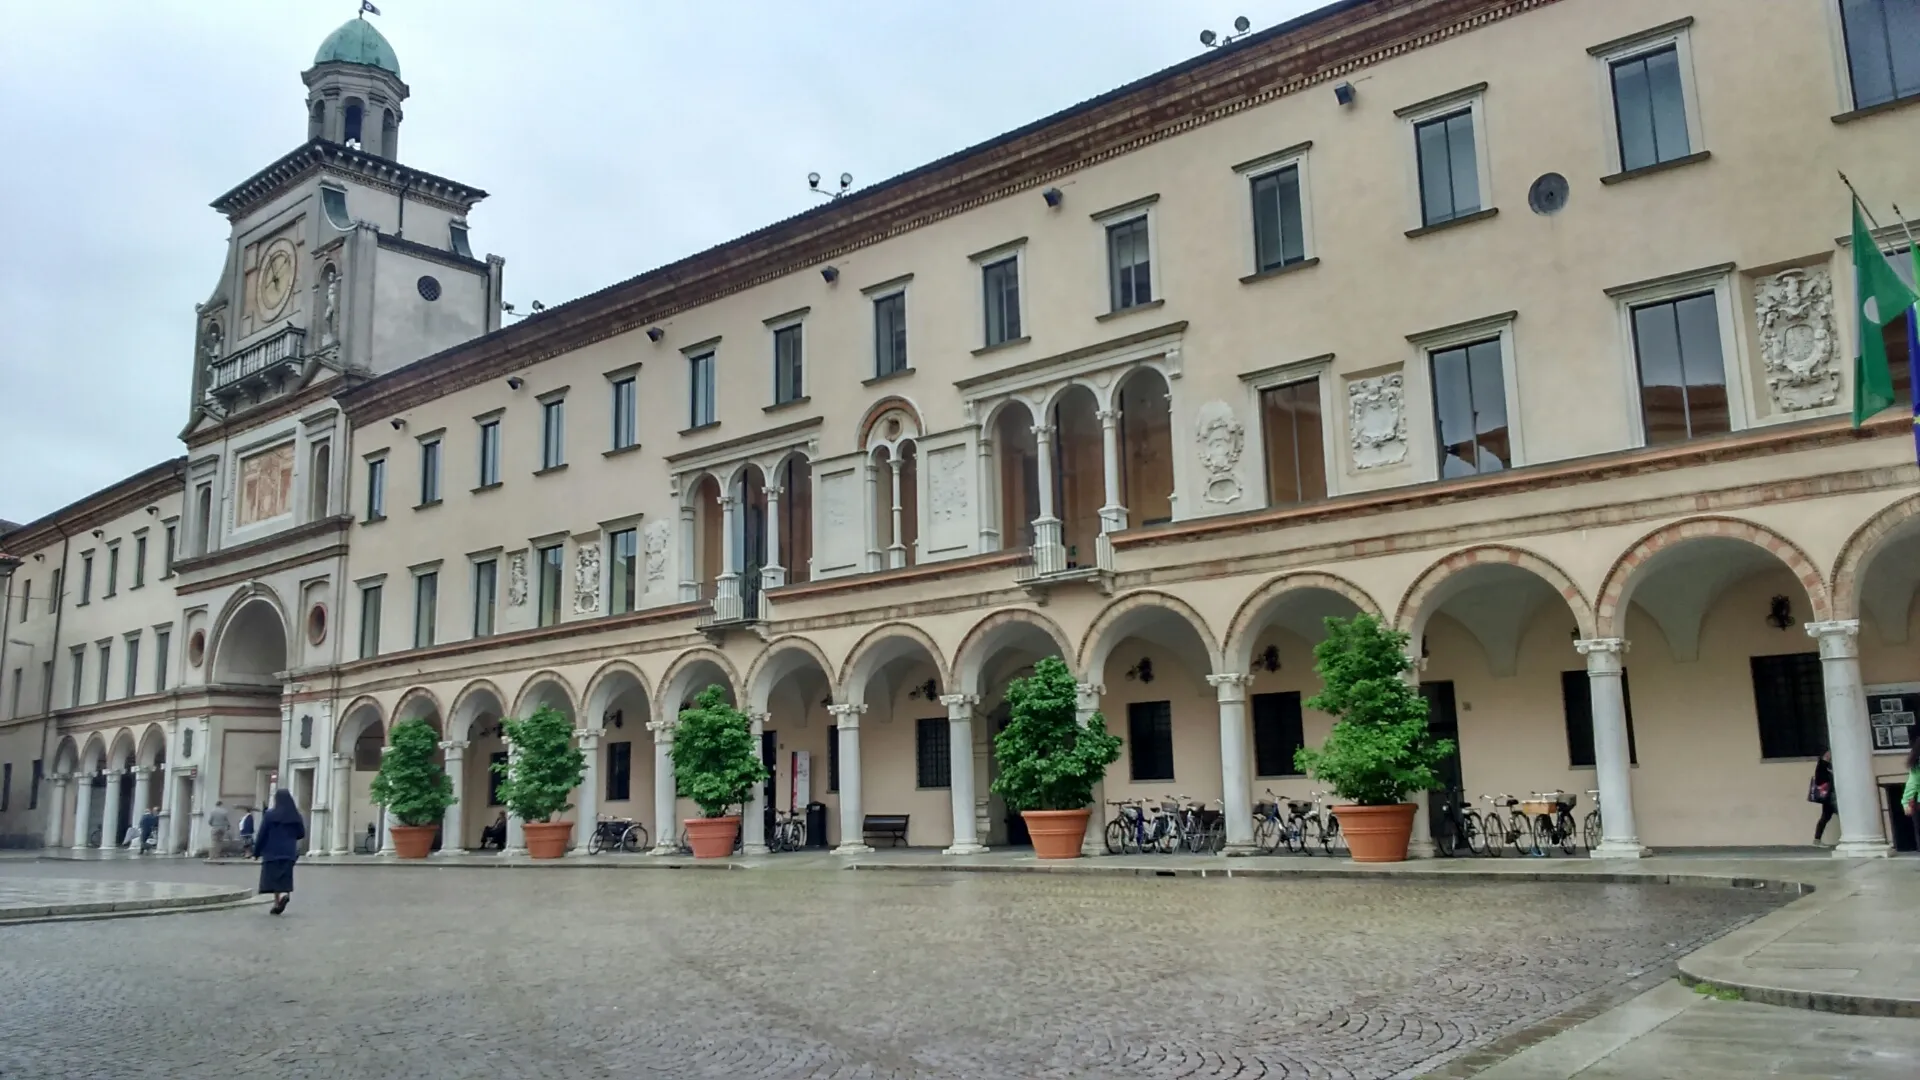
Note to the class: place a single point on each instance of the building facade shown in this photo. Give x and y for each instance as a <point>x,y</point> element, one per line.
<point>1507,321</point>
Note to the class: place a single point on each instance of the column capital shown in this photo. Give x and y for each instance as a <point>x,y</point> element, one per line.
<point>847,717</point>
<point>774,491</point>
<point>1839,638</point>
<point>115,774</point>
<point>1605,656</point>
<point>341,761</point>
<point>1229,686</point>
<point>454,747</point>
<point>143,770</point>
<point>588,737</point>
<point>1042,431</point>
<point>959,702</point>
<point>663,726</point>
<point>1107,417</point>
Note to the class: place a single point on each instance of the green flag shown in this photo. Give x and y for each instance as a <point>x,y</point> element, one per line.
<point>1882,297</point>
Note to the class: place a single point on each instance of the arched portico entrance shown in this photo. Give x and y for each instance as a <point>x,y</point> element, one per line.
<point>421,705</point>
<point>692,673</point>
<point>619,747</point>
<point>890,717</point>
<point>357,822</point>
<point>546,689</point>
<point>998,649</point>
<point>90,795</point>
<point>474,735</point>
<point>789,694</point>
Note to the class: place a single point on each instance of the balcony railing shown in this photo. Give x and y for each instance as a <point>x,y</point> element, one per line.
<point>260,358</point>
<point>736,601</point>
<point>1050,562</point>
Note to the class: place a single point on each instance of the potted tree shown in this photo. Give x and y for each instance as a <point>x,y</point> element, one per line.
<point>1379,750</point>
<point>538,776</point>
<point>716,764</point>
<point>1048,761</point>
<point>413,788</point>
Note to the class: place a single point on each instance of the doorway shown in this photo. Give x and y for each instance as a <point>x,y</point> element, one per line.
<point>1443,723</point>
<point>303,798</point>
<point>1010,819</point>
<point>129,816</point>
<point>769,757</point>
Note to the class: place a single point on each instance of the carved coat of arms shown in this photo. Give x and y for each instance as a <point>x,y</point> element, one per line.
<point>1795,311</point>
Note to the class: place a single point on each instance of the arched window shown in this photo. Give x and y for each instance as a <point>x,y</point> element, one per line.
<point>350,131</point>
<point>709,533</point>
<point>1146,448</point>
<point>796,518</point>
<point>317,121</point>
<point>1019,462</point>
<point>1079,473</point>
<point>389,134</point>
<point>321,486</point>
<point>203,519</point>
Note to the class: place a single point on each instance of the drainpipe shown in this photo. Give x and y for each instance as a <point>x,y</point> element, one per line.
<point>53,650</point>
<point>400,227</point>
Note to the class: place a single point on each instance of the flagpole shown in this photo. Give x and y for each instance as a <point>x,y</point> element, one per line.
<point>1913,331</point>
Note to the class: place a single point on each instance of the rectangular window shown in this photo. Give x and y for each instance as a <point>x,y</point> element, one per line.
<point>369,621</point>
<point>1277,733</point>
<point>113,571</point>
<point>933,760</point>
<point>1790,702</point>
<point>1000,284</point>
<point>166,559</point>
<point>1296,449</point>
<point>1576,699</point>
<point>1683,380</point>
<point>46,686</point>
<point>833,760</point>
<point>6,785</point>
<point>13,705</point>
<point>890,334</point>
<point>429,472</point>
<point>623,576</point>
<point>486,582</point>
<point>1883,49</point>
<point>1449,171</point>
<point>86,577</point>
<point>162,643</point>
<point>1649,108</point>
<point>33,793</point>
<point>787,370</point>
<point>1470,409</point>
<point>1150,740</point>
<point>1279,237</point>
<point>625,433</point>
<point>133,664</point>
<point>496,764</point>
<point>552,561</point>
<point>139,561</point>
<point>26,597</point>
<point>79,679</point>
<point>1129,264</point>
<point>376,489</point>
<point>426,608</point>
<point>106,667</point>
<point>619,771</point>
<point>700,381</point>
<point>489,453</point>
<point>553,434</point>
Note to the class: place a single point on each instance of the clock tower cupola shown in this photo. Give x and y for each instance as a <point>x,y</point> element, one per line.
<point>354,92</point>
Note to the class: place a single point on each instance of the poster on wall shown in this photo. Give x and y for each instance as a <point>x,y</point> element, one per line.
<point>801,792</point>
<point>1890,715</point>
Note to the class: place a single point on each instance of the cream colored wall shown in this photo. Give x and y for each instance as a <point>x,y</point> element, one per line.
<point>1196,724</point>
<point>888,771</point>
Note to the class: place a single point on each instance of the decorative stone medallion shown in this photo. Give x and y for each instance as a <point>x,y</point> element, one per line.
<point>586,579</point>
<point>1222,438</point>
<point>1794,309</point>
<point>1377,420</point>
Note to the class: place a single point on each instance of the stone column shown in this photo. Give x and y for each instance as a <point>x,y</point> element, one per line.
<point>773,575</point>
<point>726,601</point>
<point>56,811</point>
<point>852,823</point>
<point>382,817</point>
<point>82,810</point>
<point>1236,767</point>
<point>1850,738</point>
<point>989,532</point>
<point>111,828</point>
<point>896,551</point>
<point>1420,843</point>
<point>689,580</point>
<point>142,792</point>
<point>966,836</point>
<point>876,559</point>
<point>452,838</point>
<point>753,813</point>
<point>666,837</point>
<point>1113,516</point>
<point>516,836</point>
<point>1087,703</point>
<point>1612,756</point>
<point>1049,554</point>
<point>341,814</point>
<point>587,806</point>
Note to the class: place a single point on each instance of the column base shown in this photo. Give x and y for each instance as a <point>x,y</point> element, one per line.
<point>450,853</point>
<point>755,849</point>
<point>1620,848</point>
<point>853,849</point>
<point>665,848</point>
<point>1240,851</point>
<point>1862,849</point>
<point>1421,847</point>
<point>513,851</point>
<point>966,849</point>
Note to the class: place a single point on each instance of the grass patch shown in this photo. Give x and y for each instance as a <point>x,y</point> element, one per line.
<point>1718,992</point>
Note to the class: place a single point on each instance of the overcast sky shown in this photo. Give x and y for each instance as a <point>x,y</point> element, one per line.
<point>613,136</point>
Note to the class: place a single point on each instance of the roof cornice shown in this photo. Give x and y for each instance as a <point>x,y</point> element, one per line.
<point>100,507</point>
<point>371,169</point>
<point>1280,61</point>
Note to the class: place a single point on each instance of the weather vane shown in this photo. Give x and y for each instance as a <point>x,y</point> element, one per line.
<point>367,8</point>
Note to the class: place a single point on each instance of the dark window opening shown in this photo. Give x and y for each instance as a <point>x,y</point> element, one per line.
<point>1277,733</point>
<point>932,753</point>
<point>1279,238</point>
<point>1576,698</point>
<point>1683,381</point>
<point>619,771</point>
<point>1883,49</point>
<point>1150,740</point>
<point>1790,703</point>
<point>1449,171</point>
<point>1470,410</point>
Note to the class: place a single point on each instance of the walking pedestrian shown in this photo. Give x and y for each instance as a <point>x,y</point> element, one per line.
<point>1910,797</point>
<point>217,824</point>
<point>247,825</point>
<point>277,845</point>
<point>149,824</point>
<point>1820,790</point>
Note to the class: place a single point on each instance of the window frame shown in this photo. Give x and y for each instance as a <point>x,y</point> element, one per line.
<point>77,685</point>
<point>540,551</point>
<point>1817,730</point>
<point>426,579</point>
<point>611,560</point>
<point>1288,374</point>
<point>1471,99</point>
<point>130,678</point>
<point>620,768</point>
<point>172,549</point>
<point>162,656</point>
<point>1733,353</point>
<point>376,487</point>
<point>432,461</point>
<point>1250,172</point>
<point>1292,770</point>
<point>488,450</point>
<point>932,755</point>
<point>623,392</point>
<point>553,431</point>
<point>86,579</point>
<point>103,679</point>
<point>884,294</point>
<point>703,359</point>
<point>1016,252</point>
<point>1156,292</point>
<point>489,560</point>
<point>374,589</point>
<point>113,569</point>
<point>778,331</point>
<point>1420,390</point>
<point>1672,35</point>
<point>1849,103</point>
<point>1133,759</point>
<point>139,560</point>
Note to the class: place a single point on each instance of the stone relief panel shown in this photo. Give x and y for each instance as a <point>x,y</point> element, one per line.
<point>517,579</point>
<point>840,537</point>
<point>949,517</point>
<point>266,485</point>
<point>586,579</point>
<point>1222,439</point>
<point>1377,420</point>
<point>656,535</point>
<point>1797,341</point>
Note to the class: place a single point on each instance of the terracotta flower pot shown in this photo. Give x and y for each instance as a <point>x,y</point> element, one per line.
<point>712,837</point>
<point>1057,834</point>
<point>412,841</point>
<point>1376,833</point>
<point>547,839</point>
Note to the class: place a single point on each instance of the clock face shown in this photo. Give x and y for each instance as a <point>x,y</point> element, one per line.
<point>276,278</point>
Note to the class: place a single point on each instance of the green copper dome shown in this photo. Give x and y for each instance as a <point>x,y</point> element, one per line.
<point>357,42</point>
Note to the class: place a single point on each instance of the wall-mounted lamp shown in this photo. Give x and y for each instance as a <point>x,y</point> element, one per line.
<point>153,511</point>
<point>1780,613</point>
<point>1053,197</point>
<point>99,533</point>
<point>1343,93</point>
<point>1142,671</point>
<point>1269,659</point>
<point>1424,654</point>
<point>397,423</point>
<point>613,717</point>
<point>515,382</point>
<point>39,556</point>
<point>831,273</point>
<point>926,691</point>
<point>654,334</point>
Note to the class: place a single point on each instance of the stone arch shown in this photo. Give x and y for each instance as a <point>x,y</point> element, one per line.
<point>468,705</point>
<point>66,756</point>
<point>604,685</point>
<point>1849,568</point>
<point>1102,395</point>
<point>675,684</point>
<point>93,753</point>
<point>1123,616</point>
<point>976,648</point>
<point>878,410</point>
<point>870,652</point>
<point>1429,590</point>
<point>121,749</point>
<point>780,658</point>
<point>536,686</point>
<point>240,648</point>
<point>1250,617</point>
<point>355,719</point>
<point>1615,593</point>
<point>419,703</point>
<point>152,745</point>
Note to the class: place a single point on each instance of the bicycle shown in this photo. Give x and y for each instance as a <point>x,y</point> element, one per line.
<point>1329,824</point>
<point>789,831</point>
<point>1129,833</point>
<point>617,834</point>
<point>1458,826</point>
<point>1555,826</point>
<point>1516,829</point>
<point>1590,827</point>
<point>1270,828</point>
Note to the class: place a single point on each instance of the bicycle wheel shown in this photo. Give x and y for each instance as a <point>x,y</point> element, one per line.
<point>1330,835</point>
<point>1266,834</point>
<point>1116,836</point>
<point>1470,825</point>
<point>1520,831</point>
<point>1306,835</point>
<point>1216,838</point>
<point>1446,837</point>
<point>1565,832</point>
<point>634,839</point>
<point>1590,830</point>
<point>595,844</point>
<point>1493,835</point>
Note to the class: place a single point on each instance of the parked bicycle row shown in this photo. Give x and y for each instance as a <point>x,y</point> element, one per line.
<point>1533,825</point>
<point>1180,823</point>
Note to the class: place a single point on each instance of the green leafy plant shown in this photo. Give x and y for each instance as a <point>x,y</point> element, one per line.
<point>410,785</point>
<point>715,761</point>
<point>543,768</point>
<point>1379,749</point>
<point>1047,760</point>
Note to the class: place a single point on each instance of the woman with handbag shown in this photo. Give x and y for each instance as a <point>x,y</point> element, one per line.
<point>1820,790</point>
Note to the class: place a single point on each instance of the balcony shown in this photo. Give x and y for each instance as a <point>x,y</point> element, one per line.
<point>735,604</point>
<point>1050,564</point>
<point>264,363</point>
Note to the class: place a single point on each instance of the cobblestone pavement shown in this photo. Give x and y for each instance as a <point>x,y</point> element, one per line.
<point>398,973</point>
<point>35,897</point>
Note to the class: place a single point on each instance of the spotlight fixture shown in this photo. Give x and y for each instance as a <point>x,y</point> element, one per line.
<point>1215,41</point>
<point>654,334</point>
<point>1343,93</point>
<point>1779,612</point>
<point>397,423</point>
<point>39,556</point>
<point>153,511</point>
<point>99,533</point>
<point>831,273</point>
<point>1053,197</point>
<point>515,382</point>
<point>1269,659</point>
<point>813,185</point>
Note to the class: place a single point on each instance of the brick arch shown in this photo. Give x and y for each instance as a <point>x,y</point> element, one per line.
<point>414,696</point>
<point>1094,648</point>
<point>881,408</point>
<point>977,638</point>
<point>762,664</point>
<point>460,718</point>
<point>537,678</point>
<point>872,640</point>
<point>1241,629</point>
<point>670,693</point>
<point>1610,617</point>
<point>364,705</point>
<point>116,755</point>
<point>599,680</point>
<point>1414,601</point>
<point>1862,545</point>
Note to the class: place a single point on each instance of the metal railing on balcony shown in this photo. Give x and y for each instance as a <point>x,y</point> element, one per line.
<point>732,601</point>
<point>283,347</point>
<point>1049,562</point>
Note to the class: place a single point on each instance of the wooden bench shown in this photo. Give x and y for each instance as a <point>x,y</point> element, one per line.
<point>891,826</point>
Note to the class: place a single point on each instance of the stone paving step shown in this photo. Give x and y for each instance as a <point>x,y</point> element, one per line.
<point>35,899</point>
